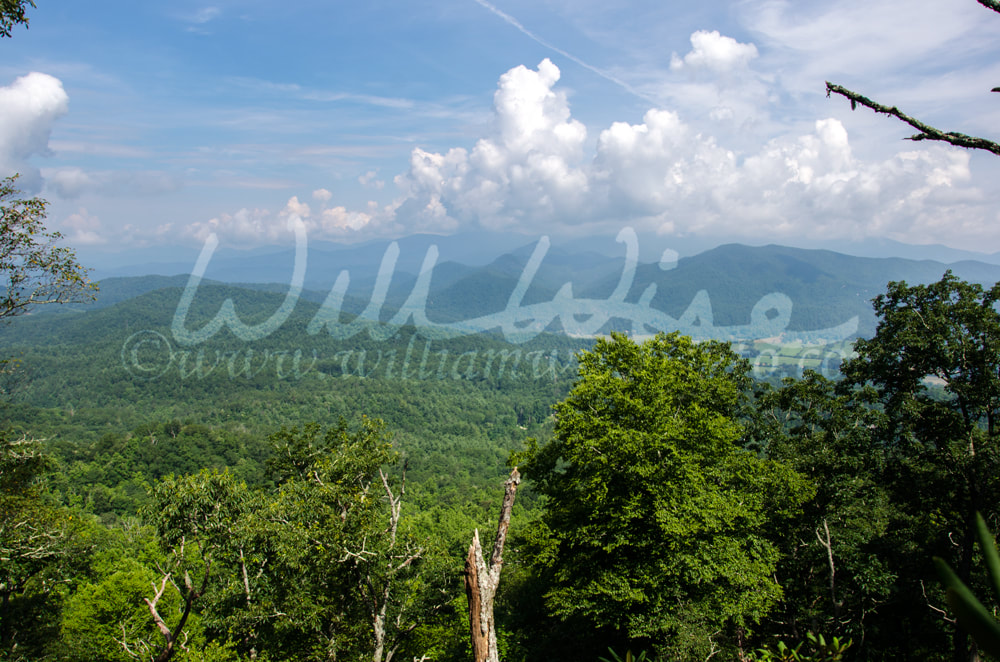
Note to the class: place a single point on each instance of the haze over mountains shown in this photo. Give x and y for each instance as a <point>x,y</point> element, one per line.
<point>273,263</point>
<point>475,274</point>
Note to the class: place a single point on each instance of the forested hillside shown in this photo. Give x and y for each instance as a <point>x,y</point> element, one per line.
<point>542,428</point>
<point>303,496</point>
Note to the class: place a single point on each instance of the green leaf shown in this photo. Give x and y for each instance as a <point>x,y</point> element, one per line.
<point>972,615</point>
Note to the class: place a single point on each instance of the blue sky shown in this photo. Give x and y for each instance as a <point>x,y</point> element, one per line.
<point>153,123</point>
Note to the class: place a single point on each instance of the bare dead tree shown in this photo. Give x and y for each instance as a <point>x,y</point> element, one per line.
<point>826,543</point>
<point>481,580</point>
<point>380,575</point>
<point>173,637</point>
<point>378,600</point>
<point>926,132</point>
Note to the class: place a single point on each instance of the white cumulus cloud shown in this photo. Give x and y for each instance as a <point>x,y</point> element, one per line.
<point>537,169</point>
<point>714,51</point>
<point>529,170</point>
<point>29,108</point>
<point>664,174</point>
<point>246,226</point>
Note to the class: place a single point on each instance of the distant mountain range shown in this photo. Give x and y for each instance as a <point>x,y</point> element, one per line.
<point>733,291</point>
<point>474,249</point>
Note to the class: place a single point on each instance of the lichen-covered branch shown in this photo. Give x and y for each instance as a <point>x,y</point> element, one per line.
<point>927,132</point>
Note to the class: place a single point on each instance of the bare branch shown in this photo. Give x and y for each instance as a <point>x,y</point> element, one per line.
<point>827,544</point>
<point>510,490</point>
<point>124,643</point>
<point>944,614</point>
<point>927,132</point>
<point>164,630</point>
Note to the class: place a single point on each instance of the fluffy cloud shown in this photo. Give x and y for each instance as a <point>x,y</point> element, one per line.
<point>711,50</point>
<point>663,174</point>
<point>530,170</point>
<point>339,221</point>
<point>370,178</point>
<point>296,208</point>
<point>246,226</point>
<point>28,109</point>
<point>537,169</point>
<point>83,229</point>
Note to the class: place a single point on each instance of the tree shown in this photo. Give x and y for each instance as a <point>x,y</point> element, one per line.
<point>346,580</point>
<point>197,518</point>
<point>38,543</point>
<point>12,13</point>
<point>34,269</point>
<point>835,570</point>
<point>935,363</point>
<point>926,132</point>
<point>659,518</point>
<point>482,580</point>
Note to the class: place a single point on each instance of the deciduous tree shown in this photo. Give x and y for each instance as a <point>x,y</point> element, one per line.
<point>37,541</point>
<point>935,362</point>
<point>837,576</point>
<point>660,518</point>
<point>33,268</point>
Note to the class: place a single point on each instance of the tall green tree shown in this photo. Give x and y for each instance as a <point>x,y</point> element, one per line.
<point>837,567</point>
<point>935,363</point>
<point>41,545</point>
<point>660,522</point>
<point>362,585</point>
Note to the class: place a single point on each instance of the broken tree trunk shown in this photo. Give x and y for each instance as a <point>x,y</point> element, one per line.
<point>481,580</point>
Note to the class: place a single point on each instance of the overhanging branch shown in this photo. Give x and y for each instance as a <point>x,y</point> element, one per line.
<point>990,4</point>
<point>927,132</point>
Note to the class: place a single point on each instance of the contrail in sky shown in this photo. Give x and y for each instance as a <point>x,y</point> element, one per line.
<point>531,35</point>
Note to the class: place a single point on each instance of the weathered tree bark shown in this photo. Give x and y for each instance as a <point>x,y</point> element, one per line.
<point>481,580</point>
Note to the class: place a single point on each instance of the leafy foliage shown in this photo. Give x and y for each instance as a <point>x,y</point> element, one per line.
<point>34,270</point>
<point>12,12</point>
<point>655,510</point>
<point>935,364</point>
<point>38,541</point>
<point>667,509</point>
<point>972,615</point>
<point>835,569</point>
<point>819,650</point>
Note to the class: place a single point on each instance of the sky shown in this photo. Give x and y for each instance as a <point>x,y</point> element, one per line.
<point>162,123</point>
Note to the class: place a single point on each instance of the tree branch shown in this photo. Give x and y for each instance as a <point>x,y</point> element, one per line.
<point>157,619</point>
<point>990,4</point>
<point>927,132</point>
<point>827,544</point>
